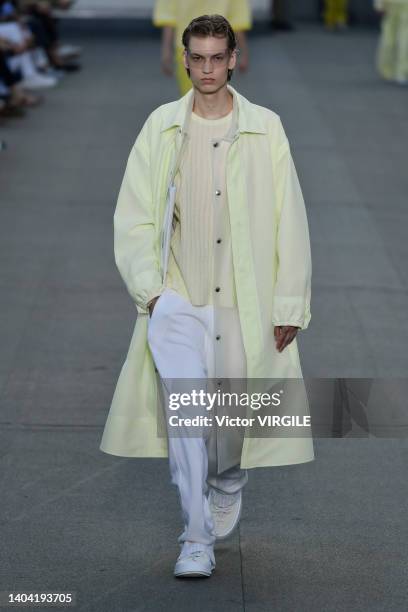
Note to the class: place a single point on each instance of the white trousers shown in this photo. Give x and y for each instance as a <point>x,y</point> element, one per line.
<point>180,338</point>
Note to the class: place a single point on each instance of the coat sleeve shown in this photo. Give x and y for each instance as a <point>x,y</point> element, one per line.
<point>292,291</point>
<point>135,244</point>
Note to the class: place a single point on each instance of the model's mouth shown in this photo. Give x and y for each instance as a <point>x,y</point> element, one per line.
<point>208,80</point>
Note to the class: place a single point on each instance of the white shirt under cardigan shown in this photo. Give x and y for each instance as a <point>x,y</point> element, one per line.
<point>201,241</point>
<point>200,262</point>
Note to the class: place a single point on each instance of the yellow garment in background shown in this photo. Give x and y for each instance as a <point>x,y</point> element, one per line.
<point>182,77</point>
<point>179,13</point>
<point>335,12</point>
<point>392,53</point>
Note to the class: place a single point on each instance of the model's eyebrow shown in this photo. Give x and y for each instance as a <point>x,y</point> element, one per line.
<point>201,55</point>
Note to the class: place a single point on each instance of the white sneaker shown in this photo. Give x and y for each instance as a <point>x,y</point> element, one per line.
<point>226,511</point>
<point>39,81</point>
<point>40,58</point>
<point>194,565</point>
<point>55,73</point>
<point>65,51</point>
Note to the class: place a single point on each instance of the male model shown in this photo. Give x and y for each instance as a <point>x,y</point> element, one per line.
<point>211,239</point>
<point>174,16</point>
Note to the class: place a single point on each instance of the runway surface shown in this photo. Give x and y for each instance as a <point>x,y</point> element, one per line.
<point>327,535</point>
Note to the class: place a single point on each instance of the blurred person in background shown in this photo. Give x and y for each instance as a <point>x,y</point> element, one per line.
<point>9,105</point>
<point>174,16</point>
<point>392,52</point>
<point>39,15</point>
<point>21,48</point>
<point>335,14</point>
<point>14,98</point>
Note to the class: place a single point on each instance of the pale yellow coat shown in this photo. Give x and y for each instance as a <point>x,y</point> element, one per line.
<point>271,260</point>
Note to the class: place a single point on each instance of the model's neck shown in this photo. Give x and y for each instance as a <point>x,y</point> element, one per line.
<point>213,105</point>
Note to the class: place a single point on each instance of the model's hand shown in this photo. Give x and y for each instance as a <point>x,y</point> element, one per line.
<point>284,334</point>
<point>152,305</point>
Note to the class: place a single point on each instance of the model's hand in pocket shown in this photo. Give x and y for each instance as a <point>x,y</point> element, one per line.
<point>152,304</point>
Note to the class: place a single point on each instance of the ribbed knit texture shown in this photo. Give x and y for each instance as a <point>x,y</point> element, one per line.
<point>193,238</point>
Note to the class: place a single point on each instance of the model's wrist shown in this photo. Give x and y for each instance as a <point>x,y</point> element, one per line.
<point>151,304</point>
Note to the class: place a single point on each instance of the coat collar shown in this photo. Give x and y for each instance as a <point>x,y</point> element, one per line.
<point>245,116</point>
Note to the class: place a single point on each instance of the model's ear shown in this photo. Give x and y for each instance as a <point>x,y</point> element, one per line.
<point>233,60</point>
<point>185,58</point>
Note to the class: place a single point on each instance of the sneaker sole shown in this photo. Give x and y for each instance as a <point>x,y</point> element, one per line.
<point>192,575</point>
<point>193,572</point>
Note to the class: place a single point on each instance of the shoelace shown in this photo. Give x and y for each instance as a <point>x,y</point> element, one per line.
<point>221,509</point>
<point>196,553</point>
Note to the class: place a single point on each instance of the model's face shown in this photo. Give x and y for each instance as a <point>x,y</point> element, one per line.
<point>209,60</point>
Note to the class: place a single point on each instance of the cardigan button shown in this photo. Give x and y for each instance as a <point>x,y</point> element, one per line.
<point>217,289</point>
<point>216,144</point>
<point>217,192</point>
<point>218,337</point>
<point>218,240</point>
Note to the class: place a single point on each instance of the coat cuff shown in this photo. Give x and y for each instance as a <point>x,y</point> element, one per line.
<point>291,311</point>
<point>145,297</point>
<point>155,294</point>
